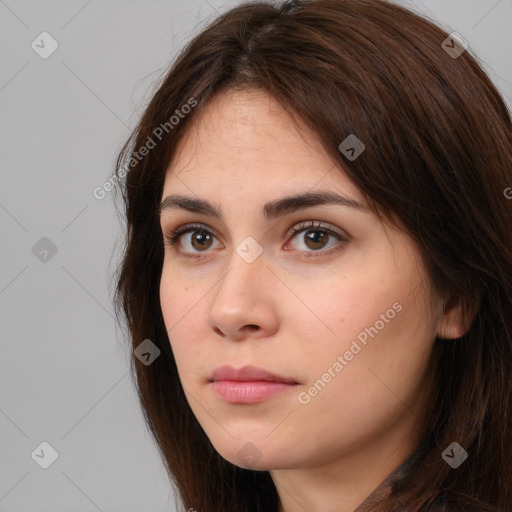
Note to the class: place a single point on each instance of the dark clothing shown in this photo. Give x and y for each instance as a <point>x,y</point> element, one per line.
<point>384,488</point>
<point>438,504</point>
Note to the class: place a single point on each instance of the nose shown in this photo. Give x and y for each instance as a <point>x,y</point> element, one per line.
<point>245,302</point>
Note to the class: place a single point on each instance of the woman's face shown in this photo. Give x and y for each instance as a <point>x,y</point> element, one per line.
<point>341,309</point>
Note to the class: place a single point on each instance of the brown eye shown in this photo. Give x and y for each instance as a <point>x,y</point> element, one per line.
<point>316,239</point>
<point>190,241</point>
<point>201,240</point>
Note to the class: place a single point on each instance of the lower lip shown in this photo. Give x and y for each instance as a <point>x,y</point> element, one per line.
<point>248,392</point>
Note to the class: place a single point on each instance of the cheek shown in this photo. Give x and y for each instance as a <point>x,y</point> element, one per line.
<point>181,311</point>
<point>375,316</point>
<point>383,363</point>
<point>178,296</point>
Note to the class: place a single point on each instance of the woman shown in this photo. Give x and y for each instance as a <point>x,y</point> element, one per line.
<point>319,246</point>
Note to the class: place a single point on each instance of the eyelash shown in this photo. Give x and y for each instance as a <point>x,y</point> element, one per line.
<point>173,236</point>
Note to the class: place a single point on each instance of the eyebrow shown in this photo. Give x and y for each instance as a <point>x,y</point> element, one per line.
<point>271,210</point>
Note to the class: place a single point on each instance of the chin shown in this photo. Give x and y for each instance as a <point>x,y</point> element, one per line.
<point>255,455</point>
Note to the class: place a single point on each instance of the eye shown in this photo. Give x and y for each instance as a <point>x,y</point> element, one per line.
<point>198,237</point>
<point>317,237</point>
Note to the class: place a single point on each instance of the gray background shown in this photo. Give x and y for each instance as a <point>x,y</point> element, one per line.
<point>64,367</point>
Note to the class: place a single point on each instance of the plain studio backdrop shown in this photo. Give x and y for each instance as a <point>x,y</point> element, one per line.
<point>74,78</point>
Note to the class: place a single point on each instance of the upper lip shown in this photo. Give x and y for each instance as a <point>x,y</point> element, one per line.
<point>247,374</point>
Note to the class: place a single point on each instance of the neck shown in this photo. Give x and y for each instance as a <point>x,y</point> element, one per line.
<point>344,482</point>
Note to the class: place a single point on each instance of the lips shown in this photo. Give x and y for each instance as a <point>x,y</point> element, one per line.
<point>248,374</point>
<point>248,385</point>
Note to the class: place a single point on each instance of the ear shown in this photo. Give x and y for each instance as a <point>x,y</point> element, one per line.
<point>456,318</point>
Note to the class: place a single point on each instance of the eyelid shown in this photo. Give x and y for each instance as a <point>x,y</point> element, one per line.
<point>319,225</point>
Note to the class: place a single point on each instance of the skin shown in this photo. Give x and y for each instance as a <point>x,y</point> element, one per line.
<point>294,316</point>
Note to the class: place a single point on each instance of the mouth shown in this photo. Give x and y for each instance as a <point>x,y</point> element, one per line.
<point>249,384</point>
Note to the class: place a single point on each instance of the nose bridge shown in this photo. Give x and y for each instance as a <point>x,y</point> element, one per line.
<point>244,275</point>
<point>242,298</point>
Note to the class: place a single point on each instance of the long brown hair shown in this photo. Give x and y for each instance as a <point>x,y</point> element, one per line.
<point>438,155</point>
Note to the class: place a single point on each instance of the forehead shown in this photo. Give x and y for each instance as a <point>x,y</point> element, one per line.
<point>247,139</point>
